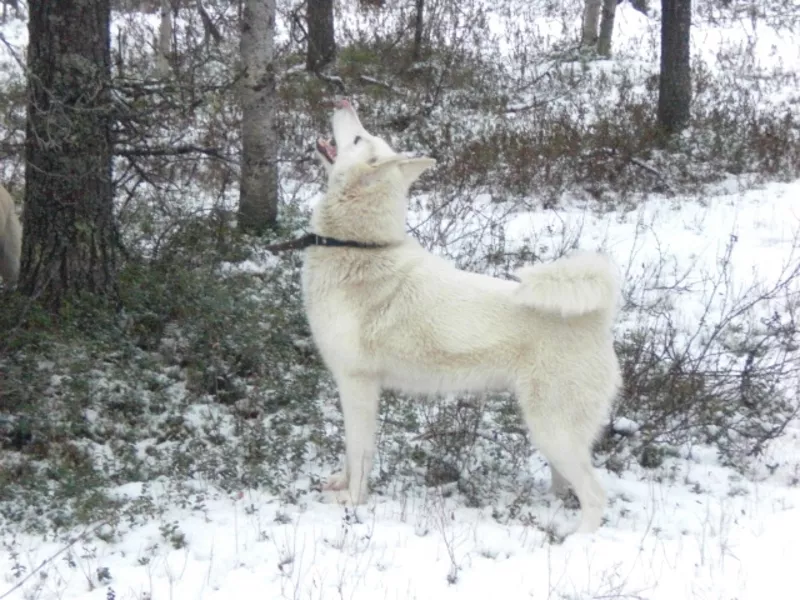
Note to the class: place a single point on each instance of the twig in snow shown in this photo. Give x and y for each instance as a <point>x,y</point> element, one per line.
<point>651,169</point>
<point>383,84</point>
<point>51,558</point>
<point>334,79</point>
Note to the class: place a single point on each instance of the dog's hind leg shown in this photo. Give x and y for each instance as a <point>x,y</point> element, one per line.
<point>570,457</point>
<point>359,398</point>
<point>560,431</point>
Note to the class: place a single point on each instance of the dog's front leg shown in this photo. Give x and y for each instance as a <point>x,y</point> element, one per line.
<point>359,398</point>
<point>559,485</point>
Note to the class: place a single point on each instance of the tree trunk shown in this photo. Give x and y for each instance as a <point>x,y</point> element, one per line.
<point>419,24</point>
<point>258,194</point>
<point>164,39</point>
<point>606,27</point>
<point>69,244</point>
<point>321,42</point>
<point>591,18</point>
<point>675,83</point>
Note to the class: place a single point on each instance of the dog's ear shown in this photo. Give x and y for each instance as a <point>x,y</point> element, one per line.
<point>410,168</point>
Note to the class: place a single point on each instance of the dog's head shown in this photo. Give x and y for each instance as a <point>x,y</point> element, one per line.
<point>368,182</point>
<point>362,159</point>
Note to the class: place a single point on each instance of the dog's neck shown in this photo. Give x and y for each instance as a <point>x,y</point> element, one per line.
<point>373,216</point>
<point>312,239</point>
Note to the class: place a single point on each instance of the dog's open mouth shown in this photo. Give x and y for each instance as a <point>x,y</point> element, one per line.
<point>327,148</point>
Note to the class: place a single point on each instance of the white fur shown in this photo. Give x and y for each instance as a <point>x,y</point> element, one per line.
<point>10,238</point>
<point>400,317</point>
<point>582,283</point>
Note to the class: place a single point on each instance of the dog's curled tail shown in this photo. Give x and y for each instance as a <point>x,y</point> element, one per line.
<point>579,284</point>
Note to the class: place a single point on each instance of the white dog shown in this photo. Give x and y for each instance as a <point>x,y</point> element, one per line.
<point>10,238</point>
<point>385,313</point>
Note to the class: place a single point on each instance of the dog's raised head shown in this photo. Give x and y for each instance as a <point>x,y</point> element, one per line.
<point>368,181</point>
<point>357,151</point>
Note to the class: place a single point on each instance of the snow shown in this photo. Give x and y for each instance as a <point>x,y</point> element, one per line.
<point>691,529</point>
<point>702,532</point>
<point>729,538</point>
<point>625,426</point>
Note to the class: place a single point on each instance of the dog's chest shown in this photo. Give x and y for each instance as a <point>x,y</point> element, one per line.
<point>332,315</point>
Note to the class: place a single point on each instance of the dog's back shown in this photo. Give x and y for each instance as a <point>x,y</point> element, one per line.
<point>10,238</point>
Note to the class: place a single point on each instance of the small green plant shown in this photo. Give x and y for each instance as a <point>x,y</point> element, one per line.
<point>172,534</point>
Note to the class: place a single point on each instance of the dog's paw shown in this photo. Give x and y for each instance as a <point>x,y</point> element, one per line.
<point>583,531</point>
<point>336,482</point>
<point>345,498</point>
<point>559,486</point>
<point>566,496</point>
<point>559,489</point>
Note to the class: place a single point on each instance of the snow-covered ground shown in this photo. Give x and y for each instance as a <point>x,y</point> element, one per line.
<point>690,529</point>
<point>710,534</point>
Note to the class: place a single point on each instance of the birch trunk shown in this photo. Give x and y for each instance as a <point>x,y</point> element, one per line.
<point>258,193</point>
<point>164,39</point>
<point>606,27</point>
<point>591,20</point>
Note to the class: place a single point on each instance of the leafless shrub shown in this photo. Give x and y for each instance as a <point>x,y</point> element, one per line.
<point>730,382</point>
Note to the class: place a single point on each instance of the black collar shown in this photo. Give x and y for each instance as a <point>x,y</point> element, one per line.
<point>312,239</point>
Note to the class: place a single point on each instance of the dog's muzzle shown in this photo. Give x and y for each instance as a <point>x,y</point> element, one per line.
<point>327,149</point>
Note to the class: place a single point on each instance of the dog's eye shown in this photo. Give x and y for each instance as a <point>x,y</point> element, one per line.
<point>358,139</point>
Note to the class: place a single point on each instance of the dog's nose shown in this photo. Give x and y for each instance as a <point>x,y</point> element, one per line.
<point>343,103</point>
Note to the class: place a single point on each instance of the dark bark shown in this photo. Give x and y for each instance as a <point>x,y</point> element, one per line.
<point>675,82</point>
<point>69,243</point>
<point>419,24</point>
<point>321,49</point>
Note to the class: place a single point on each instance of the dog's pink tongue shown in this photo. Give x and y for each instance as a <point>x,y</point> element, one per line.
<point>327,149</point>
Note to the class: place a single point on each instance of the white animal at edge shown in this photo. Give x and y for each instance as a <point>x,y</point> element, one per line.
<point>10,238</point>
<point>400,317</point>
